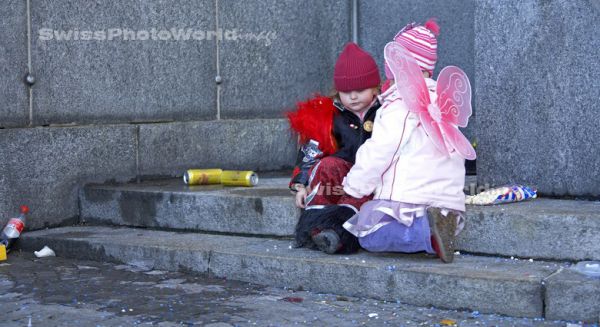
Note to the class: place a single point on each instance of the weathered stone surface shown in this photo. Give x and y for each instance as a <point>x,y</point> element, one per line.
<point>121,79</point>
<point>267,209</point>
<point>476,283</point>
<point>482,284</point>
<point>14,100</point>
<point>128,295</point>
<point>536,69</point>
<point>257,144</point>
<point>572,296</point>
<point>380,20</point>
<point>542,228</point>
<point>539,229</point>
<point>138,247</point>
<point>44,167</point>
<point>263,78</point>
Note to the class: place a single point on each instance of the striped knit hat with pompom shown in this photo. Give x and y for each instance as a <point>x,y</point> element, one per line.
<point>421,42</point>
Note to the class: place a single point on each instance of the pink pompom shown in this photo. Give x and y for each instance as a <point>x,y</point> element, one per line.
<point>432,25</point>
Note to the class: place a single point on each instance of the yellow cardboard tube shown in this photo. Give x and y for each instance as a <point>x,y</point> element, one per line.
<point>239,178</point>
<point>202,176</point>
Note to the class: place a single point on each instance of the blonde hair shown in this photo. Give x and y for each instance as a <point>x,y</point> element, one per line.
<point>335,94</point>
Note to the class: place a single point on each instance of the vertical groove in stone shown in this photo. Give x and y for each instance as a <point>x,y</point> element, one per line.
<point>355,21</point>
<point>137,153</point>
<point>29,66</point>
<point>218,60</point>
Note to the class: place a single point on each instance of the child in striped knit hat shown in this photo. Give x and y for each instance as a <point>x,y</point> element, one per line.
<point>417,182</point>
<point>422,43</point>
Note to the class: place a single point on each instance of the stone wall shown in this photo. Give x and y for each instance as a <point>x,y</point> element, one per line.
<point>380,20</point>
<point>122,109</point>
<point>537,72</point>
<point>118,97</point>
<point>43,167</point>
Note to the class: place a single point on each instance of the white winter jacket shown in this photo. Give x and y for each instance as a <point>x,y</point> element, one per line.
<point>400,163</point>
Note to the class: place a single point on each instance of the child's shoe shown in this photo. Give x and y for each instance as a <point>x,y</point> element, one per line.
<point>327,241</point>
<point>443,229</point>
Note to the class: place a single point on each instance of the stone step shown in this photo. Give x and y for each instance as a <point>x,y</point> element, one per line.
<point>267,209</point>
<point>540,229</point>
<point>485,284</point>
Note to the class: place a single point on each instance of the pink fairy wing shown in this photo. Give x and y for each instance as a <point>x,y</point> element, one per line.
<point>454,101</point>
<point>433,131</point>
<point>408,77</point>
<point>411,86</point>
<point>458,141</point>
<point>454,96</point>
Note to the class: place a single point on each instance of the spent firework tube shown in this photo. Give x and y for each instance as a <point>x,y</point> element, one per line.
<point>202,176</point>
<point>239,178</point>
<point>219,176</point>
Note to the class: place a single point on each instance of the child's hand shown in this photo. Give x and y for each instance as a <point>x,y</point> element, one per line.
<point>301,197</point>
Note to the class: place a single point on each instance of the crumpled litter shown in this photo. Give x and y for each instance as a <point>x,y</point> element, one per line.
<point>504,194</point>
<point>45,252</point>
<point>588,268</point>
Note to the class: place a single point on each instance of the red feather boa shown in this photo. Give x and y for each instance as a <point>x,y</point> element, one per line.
<point>313,120</point>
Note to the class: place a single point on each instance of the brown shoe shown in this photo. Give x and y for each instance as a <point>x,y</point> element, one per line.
<point>443,229</point>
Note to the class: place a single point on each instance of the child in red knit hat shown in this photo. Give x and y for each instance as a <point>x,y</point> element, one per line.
<point>331,131</point>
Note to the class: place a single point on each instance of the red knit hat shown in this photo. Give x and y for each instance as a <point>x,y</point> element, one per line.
<point>355,69</point>
<point>421,42</point>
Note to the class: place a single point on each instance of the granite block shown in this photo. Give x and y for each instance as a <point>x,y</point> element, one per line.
<point>14,94</point>
<point>380,20</point>
<point>255,144</point>
<point>266,209</point>
<point>44,167</point>
<point>536,68</point>
<point>108,62</point>
<point>266,74</point>
<point>573,296</point>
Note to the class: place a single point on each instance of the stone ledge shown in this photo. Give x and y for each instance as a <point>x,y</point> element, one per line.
<point>267,209</point>
<point>541,228</point>
<point>572,296</point>
<point>475,283</point>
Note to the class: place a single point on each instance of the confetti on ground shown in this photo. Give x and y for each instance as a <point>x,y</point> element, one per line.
<point>293,299</point>
<point>134,296</point>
